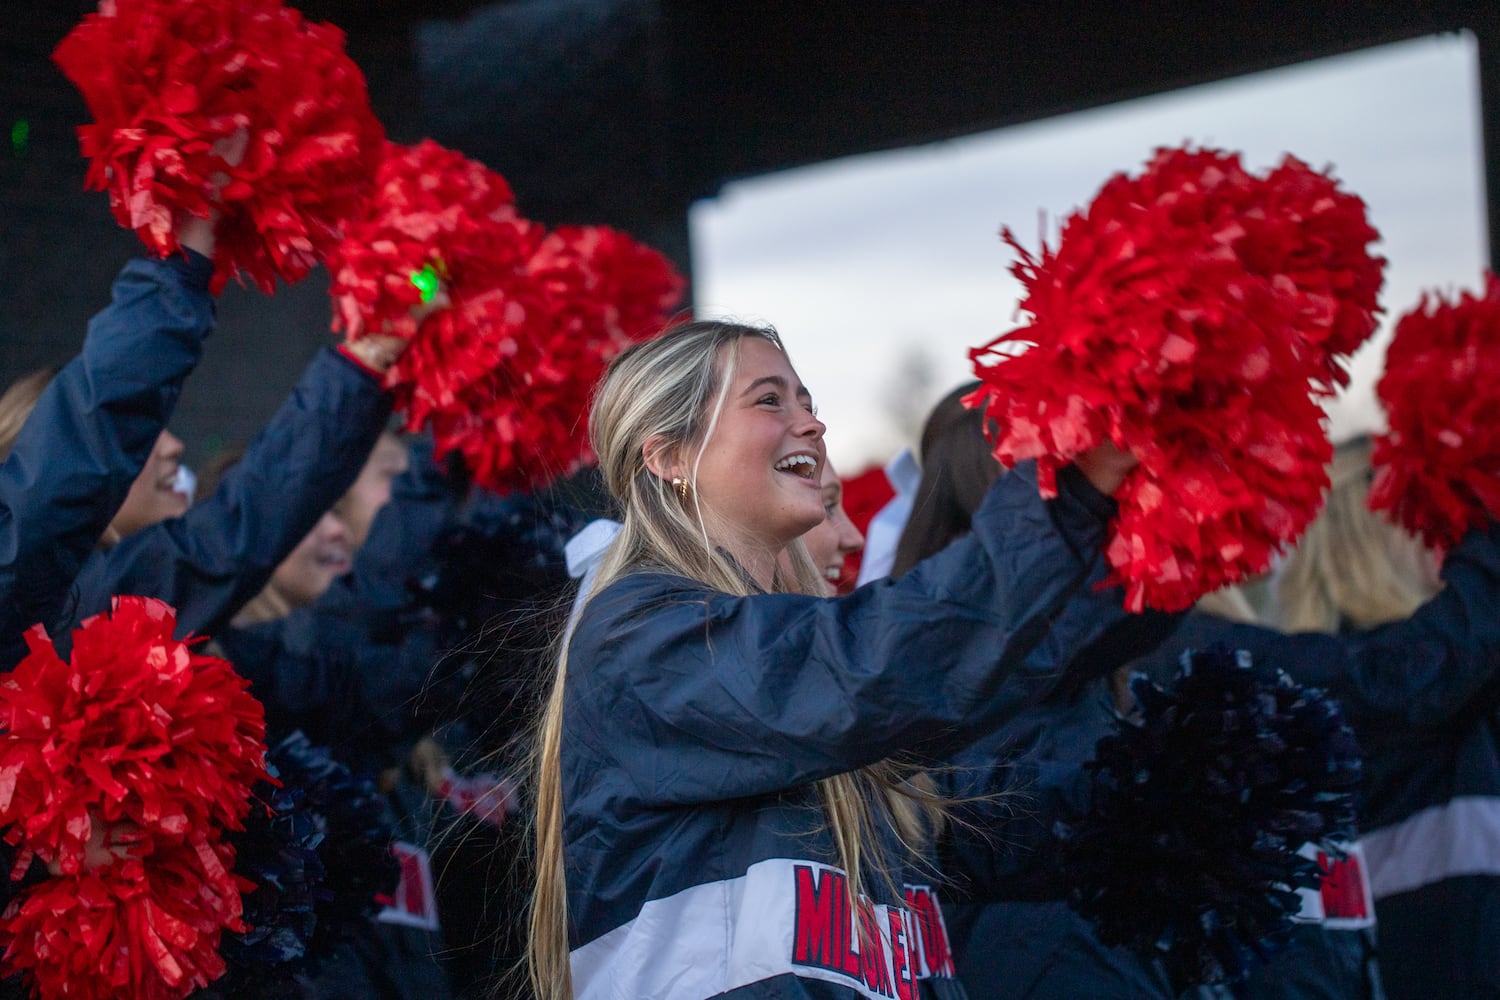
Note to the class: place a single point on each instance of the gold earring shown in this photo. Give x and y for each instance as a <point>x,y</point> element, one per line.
<point>681,486</point>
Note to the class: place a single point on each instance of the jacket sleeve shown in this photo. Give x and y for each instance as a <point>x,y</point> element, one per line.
<point>1400,681</point>
<point>699,696</point>
<point>91,432</point>
<point>1012,788</point>
<point>1427,670</point>
<point>1000,842</point>
<point>219,554</point>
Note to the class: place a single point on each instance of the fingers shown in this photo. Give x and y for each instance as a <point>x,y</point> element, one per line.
<point>198,234</point>
<point>232,148</point>
<point>1106,466</point>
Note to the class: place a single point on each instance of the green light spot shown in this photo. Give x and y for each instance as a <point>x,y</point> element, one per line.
<point>20,136</point>
<point>426,281</point>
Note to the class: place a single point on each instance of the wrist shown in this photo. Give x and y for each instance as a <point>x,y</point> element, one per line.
<point>374,354</point>
<point>197,234</point>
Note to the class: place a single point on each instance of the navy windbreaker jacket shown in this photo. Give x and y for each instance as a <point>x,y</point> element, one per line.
<point>91,432</point>
<point>209,562</point>
<point>1423,696</point>
<point>698,860</point>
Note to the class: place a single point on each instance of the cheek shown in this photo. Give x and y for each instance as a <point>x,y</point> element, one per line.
<point>821,544</point>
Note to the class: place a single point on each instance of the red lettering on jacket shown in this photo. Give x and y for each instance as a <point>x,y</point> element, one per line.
<point>900,961</point>
<point>932,954</point>
<point>817,904</point>
<point>849,960</point>
<point>1343,888</point>
<point>875,972</point>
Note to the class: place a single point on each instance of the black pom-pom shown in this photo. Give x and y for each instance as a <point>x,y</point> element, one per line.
<point>317,848</point>
<point>1189,852</point>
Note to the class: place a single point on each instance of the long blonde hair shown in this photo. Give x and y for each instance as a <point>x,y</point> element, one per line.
<point>674,388</point>
<point>1352,566</point>
<point>18,402</point>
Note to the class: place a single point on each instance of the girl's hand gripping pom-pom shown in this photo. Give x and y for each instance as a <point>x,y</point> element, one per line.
<point>502,376</point>
<point>1190,315</point>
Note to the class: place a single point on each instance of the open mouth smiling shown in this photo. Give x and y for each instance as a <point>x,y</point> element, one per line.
<point>801,465</point>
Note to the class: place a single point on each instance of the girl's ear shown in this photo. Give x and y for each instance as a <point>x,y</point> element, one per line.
<point>661,458</point>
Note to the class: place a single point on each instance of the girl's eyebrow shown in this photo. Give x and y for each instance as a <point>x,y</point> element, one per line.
<point>778,382</point>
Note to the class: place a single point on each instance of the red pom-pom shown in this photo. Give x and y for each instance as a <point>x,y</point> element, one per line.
<point>604,288</point>
<point>137,929</point>
<point>430,207</point>
<point>1304,231</point>
<point>139,729</point>
<point>1169,305</point>
<point>172,84</point>
<point>1438,466</point>
<point>865,493</point>
<point>599,291</point>
<point>503,375</point>
<point>534,351</point>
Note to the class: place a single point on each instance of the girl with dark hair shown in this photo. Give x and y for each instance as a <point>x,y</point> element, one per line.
<point>957,470</point>
<point>1038,950</point>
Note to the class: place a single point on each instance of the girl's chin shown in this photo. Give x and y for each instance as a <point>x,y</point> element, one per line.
<point>176,506</point>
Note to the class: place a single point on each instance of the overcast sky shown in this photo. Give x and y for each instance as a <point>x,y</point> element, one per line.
<point>866,262</point>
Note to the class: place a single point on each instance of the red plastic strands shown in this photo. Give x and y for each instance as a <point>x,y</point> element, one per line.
<point>1306,232</point>
<point>604,288</point>
<point>139,929</point>
<point>1437,469</point>
<point>503,375</point>
<point>429,207</point>
<point>138,733</point>
<point>173,84</point>
<point>535,348</point>
<point>138,729</point>
<point>1189,315</point>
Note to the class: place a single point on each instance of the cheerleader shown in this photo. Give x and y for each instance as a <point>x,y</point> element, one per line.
<point>74,441</point>
<point>718,810</point>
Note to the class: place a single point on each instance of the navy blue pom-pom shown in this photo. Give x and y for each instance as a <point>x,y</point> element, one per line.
<point>317,848</point>
<point>1199,808</point>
